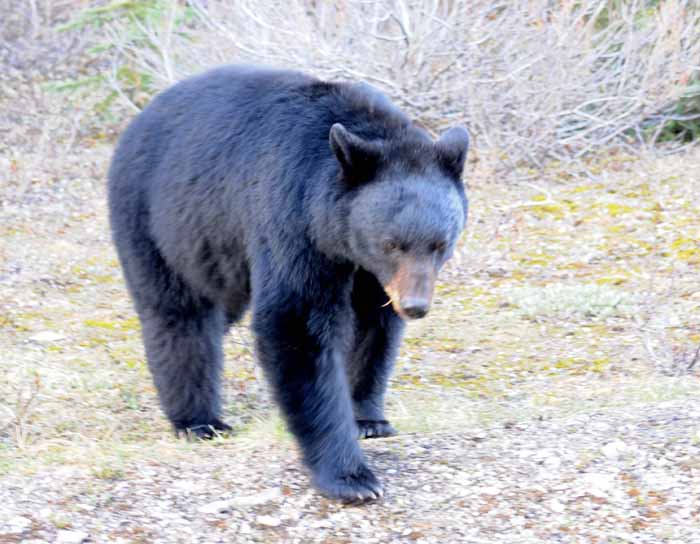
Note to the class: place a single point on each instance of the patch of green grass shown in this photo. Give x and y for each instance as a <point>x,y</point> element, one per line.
<point>572,300</point>
<point>109,473</point>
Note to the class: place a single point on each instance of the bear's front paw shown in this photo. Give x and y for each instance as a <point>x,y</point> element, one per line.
<point>203,431</point>
<point>369,428</point>
<point>358,486</point>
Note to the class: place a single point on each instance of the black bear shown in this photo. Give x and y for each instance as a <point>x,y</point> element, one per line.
<point>318,203</point>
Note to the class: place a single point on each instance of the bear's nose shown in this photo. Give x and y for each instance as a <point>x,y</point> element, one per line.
<point>414,307</point>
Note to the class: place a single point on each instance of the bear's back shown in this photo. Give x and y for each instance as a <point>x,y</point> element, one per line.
<point>236,116</point>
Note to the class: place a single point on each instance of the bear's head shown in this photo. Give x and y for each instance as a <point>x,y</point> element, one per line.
<point>407,210</point>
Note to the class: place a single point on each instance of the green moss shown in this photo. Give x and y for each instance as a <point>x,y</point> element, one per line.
<point>414,342</point>
<point>123,325</point>
<point>543,211</point>
<point>616,210</point>
<point>103,278</point>
<point>109,325</point>
<point>93,342</point>
<point>108,473</point>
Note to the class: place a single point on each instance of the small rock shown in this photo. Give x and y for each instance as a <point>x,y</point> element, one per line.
<point>556,506</point>
<point>600,426</point>
<point>65,536</point>
<point>517,521</point>
<point>614,450</point>
<point>552,462</point>
<point>47,336</point>
<point>45,512</point>
<point>268,521</point>
<point>18,524</point>
<point>245,501</point>
<point>263,497</point>
<point>215,507</point>
<point>598,484</point>
<point>490,490</point>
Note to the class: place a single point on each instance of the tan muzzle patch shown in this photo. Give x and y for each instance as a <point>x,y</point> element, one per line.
<point>410,291</point>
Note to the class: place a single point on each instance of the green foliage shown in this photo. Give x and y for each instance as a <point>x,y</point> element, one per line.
<point>142,11</point>
<point>685,124</point>
<point>134,22</point>
<point>613,9</point>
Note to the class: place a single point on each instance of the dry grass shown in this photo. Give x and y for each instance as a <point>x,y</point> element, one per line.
<point>68,324</point>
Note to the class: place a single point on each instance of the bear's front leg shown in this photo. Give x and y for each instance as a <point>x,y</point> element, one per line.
<point>300,345</point>
<point>378,331</point>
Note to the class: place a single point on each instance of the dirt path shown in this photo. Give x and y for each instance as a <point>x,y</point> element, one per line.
<point>627,475</point>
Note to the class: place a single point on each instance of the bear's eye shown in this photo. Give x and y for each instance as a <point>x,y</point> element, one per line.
<point>390,246</point>
<point>438,247</point>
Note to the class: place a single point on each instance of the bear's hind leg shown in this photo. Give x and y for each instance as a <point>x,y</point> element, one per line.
<point>378,331</point>
<point>182,334</point>
<point>184,352</point>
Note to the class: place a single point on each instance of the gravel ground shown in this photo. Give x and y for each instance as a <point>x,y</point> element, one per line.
<point>609,477</point>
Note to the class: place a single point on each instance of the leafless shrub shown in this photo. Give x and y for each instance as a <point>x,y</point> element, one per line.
<point>17,408</point>
<point>534,79</point>
<point>657,325</point>
<point>29,38</point>
<point>668,357</point>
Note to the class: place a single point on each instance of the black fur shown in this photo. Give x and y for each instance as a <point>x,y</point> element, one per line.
<point>231,188</point>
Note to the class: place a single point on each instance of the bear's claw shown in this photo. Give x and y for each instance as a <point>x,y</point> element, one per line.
<point>375,428</point>
<point>358,487</point>
<point>203,431</point>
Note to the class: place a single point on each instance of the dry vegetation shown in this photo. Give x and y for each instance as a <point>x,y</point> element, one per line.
<point>551,396</point>
<point>534,79</point>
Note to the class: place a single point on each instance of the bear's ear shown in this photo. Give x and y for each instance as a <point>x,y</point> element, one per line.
<point>452,150</point>
<point>359,158</point>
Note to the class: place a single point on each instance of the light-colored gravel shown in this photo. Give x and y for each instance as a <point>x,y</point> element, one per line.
<point>628,475</point>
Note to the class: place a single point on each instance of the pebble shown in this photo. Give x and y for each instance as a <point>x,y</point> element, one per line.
<point>556,506</point>
<point>614,450</point>
<point>269,495</point>
<point>215,507</point>
<point>597,484</point>
<point>65,536</point>
<point>552,462</point>
<point>47,336</point>
<point>490,490</point>
<point>268,521</point>
<point>243,501</point>
<point>17,524</point>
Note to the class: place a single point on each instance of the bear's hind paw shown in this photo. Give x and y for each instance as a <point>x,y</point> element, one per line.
<point>375,428</point>
<point>203,431</point>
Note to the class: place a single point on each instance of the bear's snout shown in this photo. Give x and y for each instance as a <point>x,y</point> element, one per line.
<point>411,288</point>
